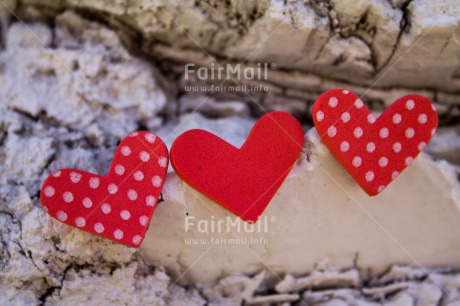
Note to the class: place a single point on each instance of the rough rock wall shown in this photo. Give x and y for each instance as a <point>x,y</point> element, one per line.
<point>335,39</point>
<point>66,98</point>
<point>378,48</point>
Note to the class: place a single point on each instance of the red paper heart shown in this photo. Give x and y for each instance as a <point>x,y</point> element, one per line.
<point>374,151</point>
<point>118,207</point>
<point>241,180</point>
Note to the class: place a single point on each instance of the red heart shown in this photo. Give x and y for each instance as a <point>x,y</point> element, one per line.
<point>118,207</point>
<point>241,180</point>
<point>374,151</point>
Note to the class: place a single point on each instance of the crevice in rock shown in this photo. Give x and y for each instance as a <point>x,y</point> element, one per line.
<point>325,8</point>
<point>8,214</point>
<point>49,292</point>
<point>26,114</point>
<point>49,161</point>
<point>404,27</point>
<point>52,289</point>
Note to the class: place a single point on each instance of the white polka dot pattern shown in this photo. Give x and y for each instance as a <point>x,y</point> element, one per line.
<point>346,117</point>
<point>369,176</point>
<point>422,119</point>
<point>94,182</point>
<point>62,216</point>
<point>163,162</point>
<point>138,176</point>
<point>374,150</point>
<point>333,101</point>
<point>357,161</point>
<point>137,240</point>
<point>150,200</point>
<point>156,181</point>
<point>49,191</point>
<point>119,169</point>
<point>75,177</point>
<point>358,132</point>
<point>331,131</point>
<point>150,138</point>
<point>410,104</point>
<point>87,202</point>
<point>383,162</point>
<point>68,197</point>
<point>98,227</point>
<point>125,214</point>
<point>125,150</point>
<point>344,146</point>
<point>80,222</point>
<point>118,234</point>
<point>410,133</point>
<point>421,146</point>
<point>371,119</point>
<point>144,220</point>
<point>320,116</point>
<point>132,195</point>
<point>144,156</point>
<point>370,147</point>
<point>112,188</point>
<point>384,132</point>
<point>119,206</point>
<point>106,209</point>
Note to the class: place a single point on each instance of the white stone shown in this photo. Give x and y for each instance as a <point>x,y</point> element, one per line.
<point>324,206</point>
<point>82,77</point>
<point>333,59</point>
<point>446,144</point>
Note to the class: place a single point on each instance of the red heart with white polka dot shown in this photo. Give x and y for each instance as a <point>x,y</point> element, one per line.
<point>374,151</point>
<point>118,207</point>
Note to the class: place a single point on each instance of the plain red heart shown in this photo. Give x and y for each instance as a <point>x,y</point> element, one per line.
<point>118,207</point>
<point>374,151</point>
<point>243,180</point>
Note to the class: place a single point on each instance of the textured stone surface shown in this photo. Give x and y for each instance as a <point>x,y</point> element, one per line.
<point>70,89</point>
<point>399,286</point>
<point>329,38</point>
<point>446,144</point>
<point>80,76</point>
<point>380,49</point>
